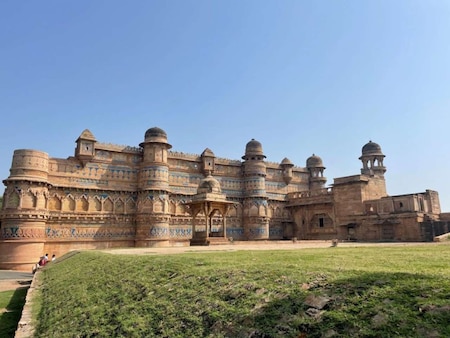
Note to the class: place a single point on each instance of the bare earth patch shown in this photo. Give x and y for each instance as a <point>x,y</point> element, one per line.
<point>6,285</point>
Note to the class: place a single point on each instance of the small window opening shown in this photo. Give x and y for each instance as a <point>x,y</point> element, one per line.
<point>321,222</point>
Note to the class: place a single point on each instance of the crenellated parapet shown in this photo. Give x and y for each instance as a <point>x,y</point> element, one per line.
<point>109,195</point>
<point>118,148</point>
<point>184,156</point>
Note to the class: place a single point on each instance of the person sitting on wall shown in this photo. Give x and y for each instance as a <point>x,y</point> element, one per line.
<point>42,261</point>
<point>53,257</point>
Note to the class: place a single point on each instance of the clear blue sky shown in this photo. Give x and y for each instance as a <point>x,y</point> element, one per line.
<point>301,77</point>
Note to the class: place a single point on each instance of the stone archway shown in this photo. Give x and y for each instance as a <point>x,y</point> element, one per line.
<point>208,209</point>
<point>209,200</point>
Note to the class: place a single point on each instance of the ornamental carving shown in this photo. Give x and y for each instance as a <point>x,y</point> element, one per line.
<point>16,232</point>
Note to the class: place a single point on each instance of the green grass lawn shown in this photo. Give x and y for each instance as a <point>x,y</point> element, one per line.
<point>11,304</point>
<point>367,292</point>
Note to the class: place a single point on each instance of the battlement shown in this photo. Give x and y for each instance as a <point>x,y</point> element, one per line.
<point>118,148</point>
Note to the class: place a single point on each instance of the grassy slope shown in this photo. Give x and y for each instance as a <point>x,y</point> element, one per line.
<point>374,292</point>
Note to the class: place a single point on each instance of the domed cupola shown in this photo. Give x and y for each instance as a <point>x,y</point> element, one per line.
<point>371,148</point>
<point>209,185</point>
<point>372,159</point>
<point>314,161</point>
<point>253,151</point>
<point>209,190</point>
<point>155,146</point>
<point>286,161</point>
<point>254,160</point>
<point>287,165</point>
<point>155,135</point>
<point>315,167</point>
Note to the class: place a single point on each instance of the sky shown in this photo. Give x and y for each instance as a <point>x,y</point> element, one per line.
<point>301,77</point>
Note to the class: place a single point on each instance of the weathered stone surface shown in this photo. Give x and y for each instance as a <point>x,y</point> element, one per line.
<point>313,312</point>
<point>380,319</point>
<point>108,196</point>
<point>317,302</point>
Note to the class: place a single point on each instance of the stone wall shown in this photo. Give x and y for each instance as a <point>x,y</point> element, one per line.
<point>108,196</point>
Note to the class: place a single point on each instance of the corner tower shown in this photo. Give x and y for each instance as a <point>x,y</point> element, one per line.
<point>316,168</point>
<point>373,168</point>
<point>153,217</point>
<point>287,165</point>
<point>256,219</point>
<point>372,159</point>
<point>24,213</point>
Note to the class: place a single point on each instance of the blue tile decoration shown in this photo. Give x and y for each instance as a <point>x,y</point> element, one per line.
<point>159,232</point>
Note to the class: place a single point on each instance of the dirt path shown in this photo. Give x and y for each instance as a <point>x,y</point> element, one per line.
<point>237,246</point>
<point>13,285</point>
<point>12,280</point>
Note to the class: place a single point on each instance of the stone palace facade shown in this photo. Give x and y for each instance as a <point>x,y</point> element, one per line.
<point>113,196</point>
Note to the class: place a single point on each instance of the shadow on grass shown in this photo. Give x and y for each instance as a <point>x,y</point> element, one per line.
<point>367,305</point>
<point>167,299</point>
<point>11,315</point>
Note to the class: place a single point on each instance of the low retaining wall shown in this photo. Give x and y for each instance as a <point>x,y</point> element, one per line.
<point>25,328</point>
<point>442,238</point>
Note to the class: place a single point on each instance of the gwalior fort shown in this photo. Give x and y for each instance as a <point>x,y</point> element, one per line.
<point>110,196</point>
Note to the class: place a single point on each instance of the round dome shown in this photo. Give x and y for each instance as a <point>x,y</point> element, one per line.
<point>314,162</point>
<point>209,185</point>
<point>155,132</point>
<point>254,148</point>
<point>156,135</point>
<point>286,161</point>
<point>371,148</point>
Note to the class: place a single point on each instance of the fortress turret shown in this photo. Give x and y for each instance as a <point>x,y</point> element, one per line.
<point>254,170</point>
<point>208,161</point>
<point>256,220</point>
<point>316,168</point>
<point>85,149</point>
<point>287,165</point>
<point>24,213</point>
<point>372,160</point>
<point>153,215</point>
<point>154,172</point>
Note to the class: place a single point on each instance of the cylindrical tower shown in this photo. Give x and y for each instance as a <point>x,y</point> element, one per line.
<point>153,217</point>
<point>24,213</point>
<point>372,159</point>
<point>256,218</point>
<point>315,167</point>
<point>287,165</point>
